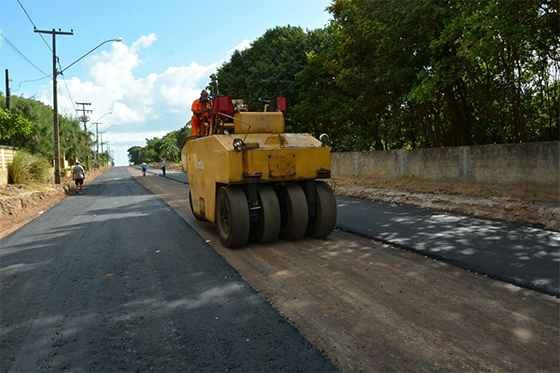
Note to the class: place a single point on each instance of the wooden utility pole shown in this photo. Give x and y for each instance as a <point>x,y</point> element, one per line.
<point>8,99</point>
<point>55,102</point>
<point>84,118</point>
<point>9,103</point>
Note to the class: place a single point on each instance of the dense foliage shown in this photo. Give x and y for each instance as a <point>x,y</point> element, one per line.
<point>393,74</point>
<point>169,147</point>
<point>13,125</point>
<point>27,168</point>
<point>34,130</point>
<point>389,74</point>
<point>445,73</point>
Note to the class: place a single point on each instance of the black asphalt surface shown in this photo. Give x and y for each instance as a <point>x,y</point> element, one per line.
<point>524,256</point>
<point>520,255</point>
<point>114,280</point>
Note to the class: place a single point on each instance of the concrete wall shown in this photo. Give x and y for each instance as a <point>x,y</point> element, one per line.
<point>7,154</point>
<point>512,164</point>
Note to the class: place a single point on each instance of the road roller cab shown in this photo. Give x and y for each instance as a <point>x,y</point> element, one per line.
<point>256,182</point>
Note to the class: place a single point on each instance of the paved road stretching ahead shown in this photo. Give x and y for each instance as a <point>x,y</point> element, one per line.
<point>524,256</point>
<point>114,280</point>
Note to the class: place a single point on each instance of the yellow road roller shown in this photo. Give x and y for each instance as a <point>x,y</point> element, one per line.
<point>256,182</point>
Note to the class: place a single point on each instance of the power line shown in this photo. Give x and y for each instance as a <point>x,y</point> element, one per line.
<point>21,54</point>
<point>71,26</point>
<point>66,85</point>
<point>28,81</point>
<point>33,23</point>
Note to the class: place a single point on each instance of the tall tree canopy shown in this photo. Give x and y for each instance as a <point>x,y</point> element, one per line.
<point>269,67</point>
<point>169,147</point>
<point>446,73</point>
<point>39,138</point>
<point>391,74</point>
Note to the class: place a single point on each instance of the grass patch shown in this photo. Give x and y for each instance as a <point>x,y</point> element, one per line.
<point>28,168</point>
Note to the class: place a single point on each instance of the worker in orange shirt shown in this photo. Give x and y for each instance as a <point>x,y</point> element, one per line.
<point>201,113</point>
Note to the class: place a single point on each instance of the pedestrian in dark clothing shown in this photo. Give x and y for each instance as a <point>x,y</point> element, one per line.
<point>78,174</point>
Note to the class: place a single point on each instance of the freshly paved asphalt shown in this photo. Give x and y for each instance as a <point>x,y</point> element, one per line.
<point>114,280</point>
<point>520,255</point>
<point>524,256</point>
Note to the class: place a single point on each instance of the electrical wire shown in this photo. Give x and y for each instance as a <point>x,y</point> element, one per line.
<point>66,85</point>
<point>71,99</point>
<point>28,81</point>
<point>71,26</point>
<point>21,54</point>
<point>33,23</point>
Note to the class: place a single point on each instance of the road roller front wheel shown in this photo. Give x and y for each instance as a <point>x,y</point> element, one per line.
<point>323,223</point>
<point>293,212</point>
<point>232,216</point>
<point>269,215</point>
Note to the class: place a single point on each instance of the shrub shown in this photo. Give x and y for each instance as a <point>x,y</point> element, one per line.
<point>28,168</point>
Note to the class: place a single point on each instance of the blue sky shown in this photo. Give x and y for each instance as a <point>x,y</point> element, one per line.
<point>149,80</point>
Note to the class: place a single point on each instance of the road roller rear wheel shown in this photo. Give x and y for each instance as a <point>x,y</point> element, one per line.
<point>324,222</point>
<point>232,216</point>
<point>293,212</point>
<point>269,215</point>
<point>192,210</point>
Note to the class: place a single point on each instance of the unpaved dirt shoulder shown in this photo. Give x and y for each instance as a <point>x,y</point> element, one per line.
<point>524,204</point>
<point>372,307</point>
<point>19,204</point>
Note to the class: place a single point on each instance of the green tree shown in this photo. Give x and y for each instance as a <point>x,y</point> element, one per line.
<point>446,73</point>
<point>169,148</point>
<point>13,124</point>
<point>268,68</point>
<point>136,154</point>
<point>74,142</point>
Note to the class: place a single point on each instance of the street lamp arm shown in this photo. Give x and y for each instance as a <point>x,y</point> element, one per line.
<point>107,129</point>
<point>73,63</point>
<point>93,123</point>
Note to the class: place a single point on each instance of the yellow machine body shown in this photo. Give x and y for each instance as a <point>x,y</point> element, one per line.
<point>256,182</point>
<point>212,161</point>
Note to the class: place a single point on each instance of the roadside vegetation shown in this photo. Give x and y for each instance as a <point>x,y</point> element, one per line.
<point>29,128</point>
<point>168,147</point>
<point>29,168</point>
<point>37,137</point>
<point>392,74</point>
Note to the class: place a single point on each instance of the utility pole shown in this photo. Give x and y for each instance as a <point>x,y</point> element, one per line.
<point>8,99</point>
<point>9,104</point>
<point>55,102</point>
<point>108,153</point>
<point>97,140</point>
<point>102,152</point>
<point>84,118</point>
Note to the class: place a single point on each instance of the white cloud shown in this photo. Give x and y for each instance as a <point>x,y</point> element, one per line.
<point>143,42</point>
<point>131,99</point>
<point>136,102</point>
<point>179,86</point>
<point>245,44</point>
<point>135,137</point>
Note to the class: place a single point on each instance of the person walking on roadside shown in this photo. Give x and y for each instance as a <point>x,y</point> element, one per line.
<point>163,164</point>
<point>144,168</point>
<point>78,174</point>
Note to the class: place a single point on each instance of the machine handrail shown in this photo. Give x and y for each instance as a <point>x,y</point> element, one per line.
<point>242,121</point>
